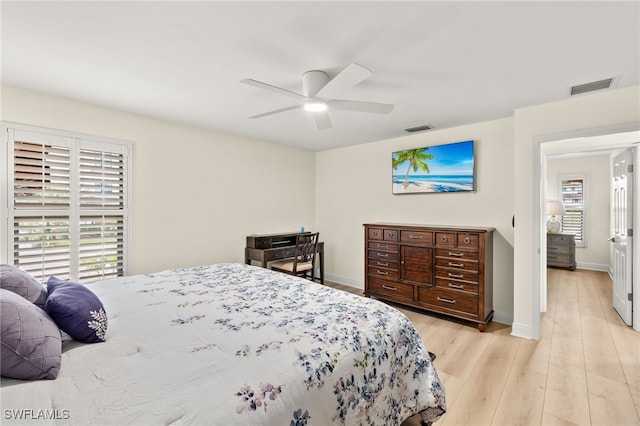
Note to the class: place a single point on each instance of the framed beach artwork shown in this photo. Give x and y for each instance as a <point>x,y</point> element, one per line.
<point>438,168</point>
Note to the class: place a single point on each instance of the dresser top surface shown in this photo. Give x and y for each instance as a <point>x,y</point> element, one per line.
<point>434,227</point>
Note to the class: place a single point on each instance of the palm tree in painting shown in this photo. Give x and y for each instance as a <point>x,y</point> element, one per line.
<point>417,159</point>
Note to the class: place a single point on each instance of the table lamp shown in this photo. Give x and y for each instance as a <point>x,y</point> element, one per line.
<point>554,208</point>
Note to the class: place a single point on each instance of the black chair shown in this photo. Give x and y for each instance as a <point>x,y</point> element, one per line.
<point>304,262</point>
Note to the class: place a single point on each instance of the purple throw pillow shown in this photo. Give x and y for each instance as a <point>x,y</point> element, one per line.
<point>21,282</point>
<point>31,346</point>
<point>77,310</point>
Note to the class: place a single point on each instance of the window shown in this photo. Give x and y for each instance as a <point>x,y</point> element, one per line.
<point>572,189</point>
<point>66,204</point>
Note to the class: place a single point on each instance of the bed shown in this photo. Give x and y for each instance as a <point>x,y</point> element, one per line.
<point>234,344</point>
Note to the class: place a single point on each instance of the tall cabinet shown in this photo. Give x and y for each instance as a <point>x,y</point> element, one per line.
<point>446,270</point>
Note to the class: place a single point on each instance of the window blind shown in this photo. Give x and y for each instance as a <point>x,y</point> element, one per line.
<point>68,206</point>
<point>573,200</point>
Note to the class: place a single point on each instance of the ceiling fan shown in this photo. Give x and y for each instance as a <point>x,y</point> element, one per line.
<point>319,94</point>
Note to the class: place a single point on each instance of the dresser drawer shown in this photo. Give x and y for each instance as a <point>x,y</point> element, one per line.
<point>383,234</point>
<point>383,255</point>
<point>554,250</point>
<point>383,246</point>
<point>561,239</point>
<point>461,275</point>
<point>457,254</point>
<point>469,287</point>
<point>422,237</point>
<point>386,274</point>
<point>447,262</point>
<point>388,290</point>
<point>449,301</point>
<point>445,239</point>
<point>382,263</point>
<point>468,240</point>
<point>559,258</point>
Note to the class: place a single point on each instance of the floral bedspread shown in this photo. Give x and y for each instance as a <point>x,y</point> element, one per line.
<point>232,344</point>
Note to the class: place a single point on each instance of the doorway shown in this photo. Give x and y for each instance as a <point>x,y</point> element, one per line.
<point>584,142</point>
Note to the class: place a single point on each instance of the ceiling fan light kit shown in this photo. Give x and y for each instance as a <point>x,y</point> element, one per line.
<point>315,106</point>
<point>319,92</point>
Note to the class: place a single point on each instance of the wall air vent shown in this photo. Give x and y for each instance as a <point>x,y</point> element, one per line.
<point>590,87</point>
<point>418,128</point>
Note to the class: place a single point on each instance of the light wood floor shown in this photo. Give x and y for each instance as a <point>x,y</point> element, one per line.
<point>585,370</point>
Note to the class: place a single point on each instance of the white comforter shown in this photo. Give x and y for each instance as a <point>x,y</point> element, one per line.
<point>233,344</point>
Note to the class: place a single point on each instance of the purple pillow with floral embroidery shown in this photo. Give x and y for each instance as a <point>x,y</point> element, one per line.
<point>76,310</point>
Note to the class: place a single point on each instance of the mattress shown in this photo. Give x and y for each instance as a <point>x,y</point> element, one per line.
<point>234,344</point>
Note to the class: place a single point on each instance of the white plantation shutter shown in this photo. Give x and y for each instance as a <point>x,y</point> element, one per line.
<point>41,245</point>
<point>573,198</point>
<point>101,247</point>
<point>67,203</point>
<point>101,179</point>
<point>41,175</point>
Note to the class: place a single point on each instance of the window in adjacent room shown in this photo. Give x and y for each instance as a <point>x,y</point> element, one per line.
<point>67,204</point>
<point>573,193</point>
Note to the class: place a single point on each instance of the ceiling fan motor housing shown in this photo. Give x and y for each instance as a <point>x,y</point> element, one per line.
<point>313,81</point>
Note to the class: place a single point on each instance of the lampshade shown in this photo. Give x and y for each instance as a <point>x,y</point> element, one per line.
<point>555,207</point>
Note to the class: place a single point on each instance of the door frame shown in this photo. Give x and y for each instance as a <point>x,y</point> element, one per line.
<point>622,136</point>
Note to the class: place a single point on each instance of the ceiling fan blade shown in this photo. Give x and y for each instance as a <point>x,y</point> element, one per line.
<point>322,120</point>
<point>269,87</point>
<point>344,81</point>
<point>372,107</point>
<point>277,111</point>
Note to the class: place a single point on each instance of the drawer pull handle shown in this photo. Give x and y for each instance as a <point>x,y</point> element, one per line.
<point>442,299</point>
<point>467,240</point>
<point>383,273</point>
<point>455,275</point>
<point>456,254</point>
<point>415,237</point>
<point>457,265</point>
<point>383,255</point>
<point>552,248</point>
<point>383,264</point>
<point>445,239</point>
<point>383,246</point>
<point>386,287</point>
<point>456,286</point>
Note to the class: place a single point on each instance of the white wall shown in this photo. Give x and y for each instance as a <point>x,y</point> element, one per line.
<point>353,187</point>
<point>596,168</point>
<point>196,193</point>
<point>590,111</point>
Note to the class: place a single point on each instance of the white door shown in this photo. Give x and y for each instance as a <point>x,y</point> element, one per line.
<point>622,233</point>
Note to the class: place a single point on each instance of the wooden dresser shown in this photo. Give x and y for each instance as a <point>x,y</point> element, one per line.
<point>447,270</point>
<point>561,251</point>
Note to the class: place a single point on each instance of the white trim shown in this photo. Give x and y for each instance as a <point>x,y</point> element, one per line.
<point>75,141</point>
<point>522,330</point>
<point>539,258</point>
<point>505,318</point>
<point>345,281</point>
<point>593,267</point>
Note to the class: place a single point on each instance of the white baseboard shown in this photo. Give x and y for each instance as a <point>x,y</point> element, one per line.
<point>503,317</point>
<point>521,330</point>
<point>345,281</point>
<point>592,266</point>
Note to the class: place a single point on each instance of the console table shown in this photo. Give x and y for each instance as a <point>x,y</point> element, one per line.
<point>269,247</point>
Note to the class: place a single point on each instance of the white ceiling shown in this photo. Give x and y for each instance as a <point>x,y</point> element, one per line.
<point>441,63</point>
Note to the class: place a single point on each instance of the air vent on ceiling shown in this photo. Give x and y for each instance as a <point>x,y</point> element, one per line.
<point>590,87</point>
<point>418,128</point>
